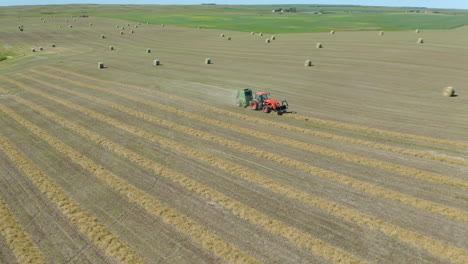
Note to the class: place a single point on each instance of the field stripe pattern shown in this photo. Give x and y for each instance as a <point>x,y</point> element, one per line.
<point>17,239</point>
<point>402,170</point>
<point>182,223</point>
<point>96,232</point>
<point>308,131</point>
<point>432,246</point>
<point>380,131</point>
<point>314,245</point>
<point>450,213</point>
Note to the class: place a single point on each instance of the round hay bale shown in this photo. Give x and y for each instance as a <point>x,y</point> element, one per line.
<point>148,50</point>
<point>273,38</point>
<point>156,63</point>
<point>103,37</point>
<point>117,26</point>
<point>132,31</point>
<point>123,28</point>
<point>128,25</point>
<point>228,38</point>
<point>136,26</point>
<point>420,40</point>
<point>41,48</point>
<point>319,45</point>
<point>111,47</point>
<point>308,63</point>
<point>162,25</point>
<point>121,32</point>
<point>90,24</point>
<point>449,91</point>
<point>332,32</point>
<point>222,35</point>
<point>208,61</point>
<point>252,33</point>
<point>33,50</point>
<point>70,26</point>
<point>381,33</point>
<point>260,34</point>
<point>100,65</point>
<point>417,31</point>
<point>53,45</point>
<point>21,29</point>
<point>43,22</point>
<point>267,40</point>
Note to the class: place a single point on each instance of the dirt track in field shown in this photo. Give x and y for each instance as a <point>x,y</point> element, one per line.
<point>370,168</point>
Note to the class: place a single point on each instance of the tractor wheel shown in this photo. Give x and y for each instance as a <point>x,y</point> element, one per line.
<point>279,113</point>
<point>267,109</point>
<point>253,105</point>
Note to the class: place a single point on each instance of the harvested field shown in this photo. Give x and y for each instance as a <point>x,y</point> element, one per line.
<point>133,164</point>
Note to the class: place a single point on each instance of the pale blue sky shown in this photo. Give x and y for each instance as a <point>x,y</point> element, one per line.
<point>460,4</point>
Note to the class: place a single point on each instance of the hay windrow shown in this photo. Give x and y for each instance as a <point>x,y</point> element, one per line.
<point>375,145</point>
<point>413,238</point>
<point>402,170</point>
<point>16,238</point>
<point>155,207</point>
<point>86,223</point>
<point>450,213</point>
<point>316,246</point>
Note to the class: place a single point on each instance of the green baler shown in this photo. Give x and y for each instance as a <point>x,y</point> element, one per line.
<point>243,97</point>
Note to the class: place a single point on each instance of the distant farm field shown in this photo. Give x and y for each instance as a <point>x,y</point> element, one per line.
<point>138,162</point>
<point>302,23</point>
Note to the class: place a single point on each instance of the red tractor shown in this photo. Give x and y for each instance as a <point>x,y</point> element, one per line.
<point>261,101</point>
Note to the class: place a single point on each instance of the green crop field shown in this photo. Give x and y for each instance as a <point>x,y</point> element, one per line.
<point>261,18</point>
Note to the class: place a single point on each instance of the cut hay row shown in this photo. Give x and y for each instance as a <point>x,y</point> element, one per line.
<point>3,91</point>
<point>378,131</point>
<point>315,246</point>
<point>417,240</point>
<point>16,238</point>
<point>180,222</point>
<point>450,213</point>
<point>375,145</point>
<point>325,135</point>
<point>96,232</point>
<point>402,170</point>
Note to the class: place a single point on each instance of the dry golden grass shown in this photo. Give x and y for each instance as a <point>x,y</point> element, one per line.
<point>402,170</point>
<point>379,131</point>
<point>3,91</point>
<point>180,222</point>
<point>371,144</point>
<point>16,238</point>
<point>432,246</point>
<point>96,232</point>
<point>450,213</point>
<point>314,245</point>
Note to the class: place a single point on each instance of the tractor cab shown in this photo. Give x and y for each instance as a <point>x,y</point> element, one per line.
<point>261,96</point>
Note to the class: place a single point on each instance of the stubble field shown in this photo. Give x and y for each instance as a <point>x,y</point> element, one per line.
<point>136,163</point>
